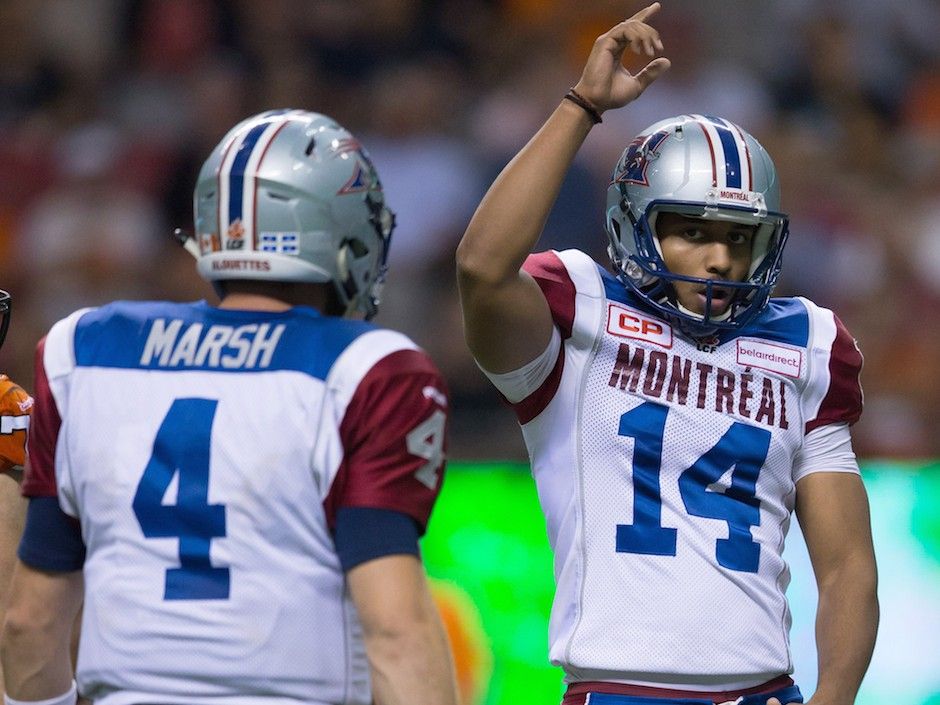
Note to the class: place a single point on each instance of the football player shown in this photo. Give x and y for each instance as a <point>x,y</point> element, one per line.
<point>15,407</point>
<point>675,414</point>
<point>240,488</point>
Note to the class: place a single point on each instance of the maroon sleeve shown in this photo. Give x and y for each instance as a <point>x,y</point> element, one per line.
<point>843,400</point>
<point>552,277</point>
<point>39,476</point>
<point>394,439</point>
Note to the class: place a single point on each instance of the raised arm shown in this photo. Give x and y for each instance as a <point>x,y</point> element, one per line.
<point>507,321</point>
<point>833,512</point>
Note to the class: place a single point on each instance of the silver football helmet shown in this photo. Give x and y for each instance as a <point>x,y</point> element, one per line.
<point>705,167</point>
<point>291,196</point>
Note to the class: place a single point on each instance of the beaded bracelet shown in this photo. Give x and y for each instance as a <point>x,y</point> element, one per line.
<point>584,104</point>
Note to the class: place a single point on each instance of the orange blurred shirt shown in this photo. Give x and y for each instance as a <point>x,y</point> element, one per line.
<point>15,407</point>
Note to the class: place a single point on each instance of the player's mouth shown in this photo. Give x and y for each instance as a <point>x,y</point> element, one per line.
<point>721,298</point>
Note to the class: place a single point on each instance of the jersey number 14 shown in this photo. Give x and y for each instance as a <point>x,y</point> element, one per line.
<point>742,447</point>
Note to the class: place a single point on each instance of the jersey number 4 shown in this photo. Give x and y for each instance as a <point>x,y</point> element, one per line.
<point>181,449</point>
<point>742,447</point>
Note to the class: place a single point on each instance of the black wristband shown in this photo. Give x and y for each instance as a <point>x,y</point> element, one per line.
<point>584,104</point>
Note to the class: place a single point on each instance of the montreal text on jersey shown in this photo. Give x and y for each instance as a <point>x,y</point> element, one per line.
<point>175,344</point>
<point>747,394</point>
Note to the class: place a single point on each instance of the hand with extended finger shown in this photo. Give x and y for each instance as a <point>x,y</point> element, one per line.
<point>605,83</point>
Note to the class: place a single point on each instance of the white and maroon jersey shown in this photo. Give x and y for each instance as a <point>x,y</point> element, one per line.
<point>206,453</point>
<point>666,470</point>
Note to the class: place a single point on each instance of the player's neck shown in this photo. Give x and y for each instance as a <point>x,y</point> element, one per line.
<point>276,296</point>
<point>253,302</point>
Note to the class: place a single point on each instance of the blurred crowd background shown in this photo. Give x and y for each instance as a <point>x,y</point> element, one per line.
<point>108,107</point>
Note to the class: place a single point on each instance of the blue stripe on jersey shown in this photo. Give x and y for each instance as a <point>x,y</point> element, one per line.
<point>730,147</point>
<point>236,184</point>
<point>118,336</point>
<point>614,289</point>
<point>782,321</point>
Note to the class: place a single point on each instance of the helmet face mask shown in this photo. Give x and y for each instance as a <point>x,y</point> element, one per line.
<point>291,196</point>
<point>5,308</point>
<point>704,168</point>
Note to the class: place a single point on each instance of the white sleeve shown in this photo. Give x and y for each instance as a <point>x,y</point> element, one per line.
<point>826,449</point>
<point>518,384</point>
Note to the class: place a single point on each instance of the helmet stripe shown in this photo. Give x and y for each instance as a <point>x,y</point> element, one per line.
<point>747,156</point>
<point>250,179</point>
<point>729,146</point>
<point>221,177</point>
<point>237,178</point>
<point>711,147</point>
<point>251,189</point>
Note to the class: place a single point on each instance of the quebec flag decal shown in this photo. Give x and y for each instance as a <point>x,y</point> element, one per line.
<point>280,243</point>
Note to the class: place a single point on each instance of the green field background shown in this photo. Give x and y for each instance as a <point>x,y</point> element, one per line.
<point>487,552</point>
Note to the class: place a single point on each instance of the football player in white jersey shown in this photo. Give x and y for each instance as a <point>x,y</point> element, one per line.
<point>238,490</point>
<point>675,415</point>
<point>15,407</point>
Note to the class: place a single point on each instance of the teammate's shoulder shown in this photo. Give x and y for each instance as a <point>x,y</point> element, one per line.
<point>379,356</point>
<point>138,310</point>
<point>376,343</point>
<point>334,335</point>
